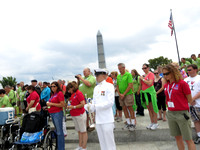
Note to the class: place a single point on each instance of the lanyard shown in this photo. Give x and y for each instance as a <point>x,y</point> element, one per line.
<point>170,92</point>
<point>52,97</point>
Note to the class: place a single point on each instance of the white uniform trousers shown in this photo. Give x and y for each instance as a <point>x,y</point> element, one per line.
<point>106,136</point>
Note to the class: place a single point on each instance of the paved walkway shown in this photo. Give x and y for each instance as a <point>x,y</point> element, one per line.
<point>162,145</point>
<point>141,134</point>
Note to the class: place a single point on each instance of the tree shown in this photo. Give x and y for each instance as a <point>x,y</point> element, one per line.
<point>8,81</point>
<point>153,63</point>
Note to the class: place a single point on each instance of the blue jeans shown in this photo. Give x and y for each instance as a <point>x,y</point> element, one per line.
<point>58,123</point>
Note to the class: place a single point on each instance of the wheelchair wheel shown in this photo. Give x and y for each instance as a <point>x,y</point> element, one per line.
<point>50,141</point>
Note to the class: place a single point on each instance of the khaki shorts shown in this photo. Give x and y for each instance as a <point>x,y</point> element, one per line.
<point>127,101</point>
<point>18,103</point>
<point>80,122</point>
<point>178,125</point>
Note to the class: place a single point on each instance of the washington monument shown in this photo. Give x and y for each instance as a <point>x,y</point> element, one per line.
<point>100,49</point>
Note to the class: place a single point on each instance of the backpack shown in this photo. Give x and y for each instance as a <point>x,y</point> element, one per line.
<point>33,122</point>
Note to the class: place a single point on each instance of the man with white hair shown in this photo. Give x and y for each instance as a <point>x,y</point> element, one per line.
<point>124,89</point>
<point>103,100</point>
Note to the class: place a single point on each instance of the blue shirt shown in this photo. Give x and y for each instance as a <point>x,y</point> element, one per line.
<point>45,94</point>
<point>161,74</point>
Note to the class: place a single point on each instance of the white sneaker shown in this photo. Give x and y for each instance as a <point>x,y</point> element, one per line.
<point>149,126</point>
<point>119,119</point>
<point>116,118</point>
<point>126,127</point>
<point>78,148</point>
<point>154,126</point>
<point>132,127</point>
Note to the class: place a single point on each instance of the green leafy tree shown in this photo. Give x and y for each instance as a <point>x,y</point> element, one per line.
<point>153,63</point>
<point>8,81</point>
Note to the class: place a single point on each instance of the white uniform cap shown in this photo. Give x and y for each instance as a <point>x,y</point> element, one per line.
<point>100,71</point>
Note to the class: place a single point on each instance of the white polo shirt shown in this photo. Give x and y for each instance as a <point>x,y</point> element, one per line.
<point>194,84</point>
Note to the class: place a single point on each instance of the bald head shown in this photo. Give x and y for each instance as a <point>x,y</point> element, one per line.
<point>86,72</point>
<point>60,81</point>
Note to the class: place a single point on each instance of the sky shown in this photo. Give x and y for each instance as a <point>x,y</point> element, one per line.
<point>49,40</point>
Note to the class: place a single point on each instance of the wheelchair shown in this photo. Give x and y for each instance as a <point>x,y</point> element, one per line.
<point>47,139</point>
<point>8,132</point>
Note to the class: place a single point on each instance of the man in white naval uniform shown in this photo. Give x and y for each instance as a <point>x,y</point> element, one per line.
<point>103,100</point>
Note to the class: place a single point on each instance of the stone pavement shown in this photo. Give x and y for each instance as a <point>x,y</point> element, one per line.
<point>140,134</point>
<point>160,145</point>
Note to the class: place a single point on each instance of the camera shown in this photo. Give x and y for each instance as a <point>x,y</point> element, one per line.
<point>76,76</point>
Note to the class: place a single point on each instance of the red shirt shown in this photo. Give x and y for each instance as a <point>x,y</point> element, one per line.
<point>109,80</point>
<point>34,96</point>
<point>63,87</point>
<point>75,99</point>
<point>56,98</point>
<point>178,95</point>
<point>149,76</point>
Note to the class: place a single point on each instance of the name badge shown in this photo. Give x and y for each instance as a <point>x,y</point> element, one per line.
<point>171,104</point>
<point>102,93</point>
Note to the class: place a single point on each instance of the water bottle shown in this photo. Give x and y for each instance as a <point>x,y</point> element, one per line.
<point>48,106</point>
<point>68,104</point>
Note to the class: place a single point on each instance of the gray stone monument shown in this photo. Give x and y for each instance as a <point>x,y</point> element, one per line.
<point>100,49</point>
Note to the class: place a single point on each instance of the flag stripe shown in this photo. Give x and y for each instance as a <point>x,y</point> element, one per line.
<point>170,24</point>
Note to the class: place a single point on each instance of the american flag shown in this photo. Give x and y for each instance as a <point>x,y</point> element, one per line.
<point>170,24</point>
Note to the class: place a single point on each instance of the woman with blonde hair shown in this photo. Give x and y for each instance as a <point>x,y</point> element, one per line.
<point>183,73</point>
<point>178,95</point>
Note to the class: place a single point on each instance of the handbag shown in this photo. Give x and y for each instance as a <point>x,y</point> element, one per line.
<point>32,109</point>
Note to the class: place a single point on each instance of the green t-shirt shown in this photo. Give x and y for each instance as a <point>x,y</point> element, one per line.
<point>136,84</point>
<point>18,92</point>
<point>88,90</point>
<point>186,63</point>
<point>123,81</point>
<point>196,62</point>
<point>12,96</point>
<point>22,95</point>
<point>5,101</point>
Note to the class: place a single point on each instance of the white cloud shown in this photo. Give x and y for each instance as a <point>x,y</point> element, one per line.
<point>50,39</point>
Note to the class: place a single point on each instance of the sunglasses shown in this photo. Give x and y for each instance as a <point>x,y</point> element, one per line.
<point>144,68</point>
<point>167,73</point>
<point>156,73</point>
<point>189,69</point>
<point>53,86</point>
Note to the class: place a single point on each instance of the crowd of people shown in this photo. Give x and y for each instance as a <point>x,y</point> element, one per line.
<point>170,93</point>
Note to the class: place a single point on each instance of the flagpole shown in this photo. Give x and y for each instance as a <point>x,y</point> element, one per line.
<point>175,39</point>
